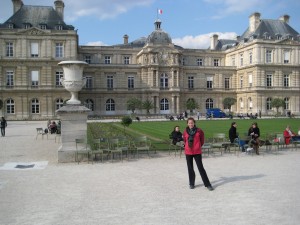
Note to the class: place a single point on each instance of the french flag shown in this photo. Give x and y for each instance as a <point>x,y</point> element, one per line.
<point>160,11</point>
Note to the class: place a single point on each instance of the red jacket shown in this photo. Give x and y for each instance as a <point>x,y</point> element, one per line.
<point>197,144</point>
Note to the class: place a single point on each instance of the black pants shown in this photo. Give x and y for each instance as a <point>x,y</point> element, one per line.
<point>3,131</point>
<point>198,159</point>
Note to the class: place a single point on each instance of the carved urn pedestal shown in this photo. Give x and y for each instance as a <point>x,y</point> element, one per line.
<point>73,115</point>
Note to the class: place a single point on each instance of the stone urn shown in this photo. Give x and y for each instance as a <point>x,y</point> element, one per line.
<point>73,81</point>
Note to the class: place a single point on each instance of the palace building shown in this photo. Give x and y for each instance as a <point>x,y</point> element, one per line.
<point>258,66</point>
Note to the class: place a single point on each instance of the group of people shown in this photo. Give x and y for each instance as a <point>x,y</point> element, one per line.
<point>289,135</point>
<point>52,127</point>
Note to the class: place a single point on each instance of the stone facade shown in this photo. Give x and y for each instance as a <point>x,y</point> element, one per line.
<point>255,68</point>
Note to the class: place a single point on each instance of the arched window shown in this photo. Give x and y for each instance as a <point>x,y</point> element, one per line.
<point>241,103</point>
<point>10,106</point>
<point>250,103</point>
<point>286,103</point>
<point>89,103</point>
<point>164,104</point>
<point>209,103</point>
<point>164,80</point>
<point>269,100</point>
<point>35,106</point>
<point>59,103</point>
<point>110,105</point>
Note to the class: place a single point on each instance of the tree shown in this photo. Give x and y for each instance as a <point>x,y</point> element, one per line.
<point>133,104</point>
<point>148,104</point>
<point>126,121</point>
<point>228,102</point>
<point>277,103</point>
<point>191,104</point>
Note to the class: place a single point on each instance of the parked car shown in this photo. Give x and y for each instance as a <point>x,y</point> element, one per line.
<point>215,113</point>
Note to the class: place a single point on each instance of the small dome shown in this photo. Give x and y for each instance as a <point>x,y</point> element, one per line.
<point>159,36</point>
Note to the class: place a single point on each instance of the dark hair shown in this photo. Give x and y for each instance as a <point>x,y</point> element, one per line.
<point>191,118</point>
<point>176,126</point>
<point>233,123</point>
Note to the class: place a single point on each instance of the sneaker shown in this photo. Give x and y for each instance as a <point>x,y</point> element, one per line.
<point>210,188</point>
<point>192,186</point>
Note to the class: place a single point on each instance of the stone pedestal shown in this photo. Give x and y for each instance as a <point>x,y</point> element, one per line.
<point>73,125</point>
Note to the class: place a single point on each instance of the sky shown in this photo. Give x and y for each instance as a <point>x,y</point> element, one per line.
<point>190,23</point>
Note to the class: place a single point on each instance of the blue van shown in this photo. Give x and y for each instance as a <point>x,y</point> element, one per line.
<point>215,113</point>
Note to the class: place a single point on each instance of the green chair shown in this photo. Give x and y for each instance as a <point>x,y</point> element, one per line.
<point>115,148</point>
<point>100,147</point>
<point>142,144</point>
<point>81,149</point>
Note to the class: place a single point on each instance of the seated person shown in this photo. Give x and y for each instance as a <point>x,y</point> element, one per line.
<point>176,135</point>
<point>232,132</point>
<point>52,127</point>
<point>288,134</point>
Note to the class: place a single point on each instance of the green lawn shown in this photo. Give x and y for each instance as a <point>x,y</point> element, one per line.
<point>159,131</point>
<point>162,129</point>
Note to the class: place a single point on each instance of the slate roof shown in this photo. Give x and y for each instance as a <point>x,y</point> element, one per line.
<point>224,44</point>
<point>271,28</point>
<point>36,16</point>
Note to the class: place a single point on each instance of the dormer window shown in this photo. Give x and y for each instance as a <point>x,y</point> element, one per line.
<point>10,26</point>
<point>266,35</point>
<point>278,36</point>
<point>58,27</point>
<point>26,25</point>
<point>43,26</point>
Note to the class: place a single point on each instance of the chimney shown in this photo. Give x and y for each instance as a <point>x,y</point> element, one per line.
<point>59,8</point>
<point>125,38</point>
<point>254,21</point>
<point>213,41</point>
<point>285,18</point>
<point>17,4</point>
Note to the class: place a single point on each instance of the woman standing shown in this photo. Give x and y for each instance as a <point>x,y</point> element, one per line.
<point>194,139</point>
<point>254,132</point>
<point>232,132</point>
<point>3,125</point>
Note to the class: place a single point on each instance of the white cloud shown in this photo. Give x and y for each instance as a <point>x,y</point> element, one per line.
<point>101,9</point>
<point>201,41</point>
<point>96,43</point>
<point>228,7</point>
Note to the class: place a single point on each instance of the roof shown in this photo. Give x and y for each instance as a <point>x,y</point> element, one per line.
<point>36,16</point>
<point>271,29</point>
<point>224,44</point>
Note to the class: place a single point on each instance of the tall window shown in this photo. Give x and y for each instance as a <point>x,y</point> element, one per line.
<point>110,105</point>
<point>89,82</point>
<point>89,103</point>
<point>286,57</point>
<point>34,78</point>
<point>107,60</point>
<point>250,58</point>
<point>269,80</point>
<point>9,49</point>
<point>286,80</point>
<point>269,100</point>
<point>200,62</point>
<point>286,103</point>
<point>130,82</point>
<point>58,76</point>
<point>209,103</point>
<point>126,59</point>
<point>110,82</point>
<point>227,86</point>
<point>59,50</point>
<point>250,79</point>
<point>9,78</point>
<point>268,56</point>
<point>191,82</point>
<point>241,82</point>
<point>34,48</point>
<point>87,59</point>
<point>164,81</point>
<point>10,106</point>
<point>233,61</point>
<point>183,61</point>
<point>241,59</point>
<point>59,103</point>
<point>216,62</point>
<point>35,106</point>
<point>164,104</point>
<point>209,82</point>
